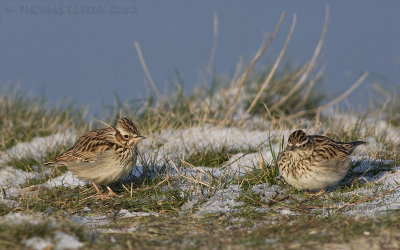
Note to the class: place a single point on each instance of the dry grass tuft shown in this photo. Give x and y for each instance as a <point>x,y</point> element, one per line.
<point>23,117</point>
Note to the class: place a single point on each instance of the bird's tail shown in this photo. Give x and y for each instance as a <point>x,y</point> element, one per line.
<point>350,146</point>
<point>47,163</point>
<point>54,163</point>
<point>357,143</point>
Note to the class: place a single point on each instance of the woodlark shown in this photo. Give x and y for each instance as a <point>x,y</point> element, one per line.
<point>103,156</point>
<point>314,161</point>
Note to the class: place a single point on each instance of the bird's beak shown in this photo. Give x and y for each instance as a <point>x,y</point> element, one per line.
<point>291,148</point>
<point>140,137</point>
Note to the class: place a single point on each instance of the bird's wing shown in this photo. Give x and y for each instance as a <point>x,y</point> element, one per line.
<point>87,147</point>
<point>328,149</point>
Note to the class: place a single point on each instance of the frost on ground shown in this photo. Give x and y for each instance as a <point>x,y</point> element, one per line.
<point>10,177</point>
<point>180,144</point>
<point>90,220</point>
<point>381,205</point>
<point>60,241</point>
<point>94,221</point>
<point>37,147</point>
<point>380,127</point>
<point>20,218</point>
<point>165,150</point>
<point>67,179</point>
<point>265,191</point>
<point>223,202</point>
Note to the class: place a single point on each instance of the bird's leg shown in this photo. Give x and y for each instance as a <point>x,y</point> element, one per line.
<point>101,196</point>
<point>111,193</point>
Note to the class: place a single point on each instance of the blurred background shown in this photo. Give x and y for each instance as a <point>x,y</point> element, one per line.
<point>83,50</point>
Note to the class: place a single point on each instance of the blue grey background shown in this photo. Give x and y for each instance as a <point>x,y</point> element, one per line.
<point>84,50</point>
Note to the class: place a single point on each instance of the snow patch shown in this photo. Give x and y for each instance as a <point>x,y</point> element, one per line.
<point>12,177</point>
<point>223,201</point>
<point>182,143</point>
<point>124,213</point>
<point>91,221</point>
<point>37,147</point>
<point>266,191</point>
<point>246,162</point>
<point>20,218</point>
<point>67,180</point>
<point>381,127</point>
<point>63,241</point>
<point>367,165</point>
<point>66,241</point>
<point>287,212</point>
<point>38,243</point>
<point>8,203</point>
<point>379,206</point>
<point>11,192</point>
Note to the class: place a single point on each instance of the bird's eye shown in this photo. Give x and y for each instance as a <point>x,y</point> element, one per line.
<point>126,136</point>
<point>304,145</point>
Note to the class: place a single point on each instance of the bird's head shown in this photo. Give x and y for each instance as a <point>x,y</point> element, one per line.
<point>127,133</point>
<point>299,141</point>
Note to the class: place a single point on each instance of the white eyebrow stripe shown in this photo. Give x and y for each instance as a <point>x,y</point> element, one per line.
<point>302,143</point>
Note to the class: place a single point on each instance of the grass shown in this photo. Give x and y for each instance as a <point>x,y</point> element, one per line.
<point>24,117</point>
<point>72,201</point>
<point>291,101</point>
<point>153,192</point>
<point>387,99</point>
<point>263,173</point>
<point>158,190</point>
<point>214,157</point>
<point>26,163</point>
<point>282,86</point>
<point>4,209</point>
<point>255,231</point>
<point>14,236</point>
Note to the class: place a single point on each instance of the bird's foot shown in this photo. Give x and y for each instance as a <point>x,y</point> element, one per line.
<point>111,193</point>
<point>100,195</point>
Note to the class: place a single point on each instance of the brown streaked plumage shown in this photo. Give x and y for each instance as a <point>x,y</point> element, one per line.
<point>102,156</point>
<point>314,161</point>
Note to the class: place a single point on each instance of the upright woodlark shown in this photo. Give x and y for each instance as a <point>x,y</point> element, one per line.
<point>314,161</point>
<point>103,156</point>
